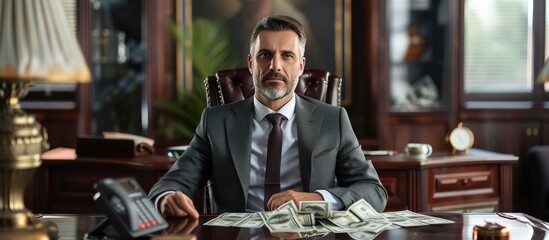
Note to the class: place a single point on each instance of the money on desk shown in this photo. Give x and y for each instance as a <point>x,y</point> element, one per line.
<point>314,218</point>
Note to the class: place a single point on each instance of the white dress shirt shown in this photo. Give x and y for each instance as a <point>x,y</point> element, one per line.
<point>290,175</point>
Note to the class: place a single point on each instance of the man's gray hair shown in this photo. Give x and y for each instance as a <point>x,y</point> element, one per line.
<point>279,23</point>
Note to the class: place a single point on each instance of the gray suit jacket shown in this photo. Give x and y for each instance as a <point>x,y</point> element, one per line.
<point>330,156</point>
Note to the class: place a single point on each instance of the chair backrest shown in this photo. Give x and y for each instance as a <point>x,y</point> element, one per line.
<point>534,182</point>
<point>233,85</point>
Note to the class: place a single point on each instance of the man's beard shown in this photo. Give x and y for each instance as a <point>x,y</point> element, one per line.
<point>273,92</point>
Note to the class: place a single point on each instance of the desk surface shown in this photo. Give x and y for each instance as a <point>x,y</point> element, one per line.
<point>442,159</point>
<point>62,156</point>
<point>67,156</point>
<point>76,226</point>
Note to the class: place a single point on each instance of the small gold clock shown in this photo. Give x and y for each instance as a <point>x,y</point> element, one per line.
<point>461,139</point>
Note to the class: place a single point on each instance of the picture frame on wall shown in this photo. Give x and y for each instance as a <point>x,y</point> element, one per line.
<point>327,24</point>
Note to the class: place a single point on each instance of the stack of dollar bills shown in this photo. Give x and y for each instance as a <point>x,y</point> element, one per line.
<point>314,218</point>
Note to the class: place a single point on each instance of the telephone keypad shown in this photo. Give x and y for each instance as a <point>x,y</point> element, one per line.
<point>128,208</point>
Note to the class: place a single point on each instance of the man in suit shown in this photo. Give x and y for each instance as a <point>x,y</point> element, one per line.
<point>320,160</point>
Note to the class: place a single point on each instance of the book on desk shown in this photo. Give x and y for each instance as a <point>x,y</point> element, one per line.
<point>114,144</point>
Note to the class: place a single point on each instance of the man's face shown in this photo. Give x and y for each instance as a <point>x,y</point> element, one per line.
<point>276,64</point>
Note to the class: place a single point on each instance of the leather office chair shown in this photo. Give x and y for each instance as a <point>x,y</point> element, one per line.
<point>228,86</point>
<point>233,85</point>
<point>534,184</point>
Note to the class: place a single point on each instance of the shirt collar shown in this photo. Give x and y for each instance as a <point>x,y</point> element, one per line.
<point>261,110</point>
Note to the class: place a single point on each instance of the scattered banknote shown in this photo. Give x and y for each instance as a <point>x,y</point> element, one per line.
<point>288,204</point>
<point>401,220</point>
<point>321,209</point>
<point>360,226</point>
<point>316,218</point>
<point>313,231</point>
<point>365,211</point>
<point>284,220</point>
<point>429,220</point>
<point>255,221</point>
<point>228,219</point>
<point>363,235</point>
<point>306,218</point>
<point>334,214</point>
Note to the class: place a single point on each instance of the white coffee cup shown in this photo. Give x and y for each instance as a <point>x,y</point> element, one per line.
<point>418,151</point>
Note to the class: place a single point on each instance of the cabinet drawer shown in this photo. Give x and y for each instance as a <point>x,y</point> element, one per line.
<point>464,182</point>
<point>71,188</point>
<point>396,184</point>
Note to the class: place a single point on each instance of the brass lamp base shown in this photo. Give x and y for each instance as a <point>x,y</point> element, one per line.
<point>21,144</point>
<point>31,228</point>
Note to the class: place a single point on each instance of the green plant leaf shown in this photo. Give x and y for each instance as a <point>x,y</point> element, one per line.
<point>210,52</point>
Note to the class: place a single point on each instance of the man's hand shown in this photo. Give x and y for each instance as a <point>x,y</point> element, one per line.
<point>177,204</point>
<point>281,198</point>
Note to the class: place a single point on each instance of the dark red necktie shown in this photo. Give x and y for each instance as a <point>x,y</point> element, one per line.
<point>274,153</point>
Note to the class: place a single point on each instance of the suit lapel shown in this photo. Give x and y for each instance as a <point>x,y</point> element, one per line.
<point>308,127</point>
<point>239,137</point>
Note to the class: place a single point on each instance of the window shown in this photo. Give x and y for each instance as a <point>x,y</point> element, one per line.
<point>498,46</point>
<point>504,48</point>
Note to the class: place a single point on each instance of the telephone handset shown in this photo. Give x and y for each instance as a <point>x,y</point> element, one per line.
<point>127,207</point>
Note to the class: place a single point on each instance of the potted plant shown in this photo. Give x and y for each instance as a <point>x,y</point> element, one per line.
<point>209,52</point>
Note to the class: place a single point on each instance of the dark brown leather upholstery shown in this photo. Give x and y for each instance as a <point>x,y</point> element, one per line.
<point>534,184</point>
<point>237,84</point>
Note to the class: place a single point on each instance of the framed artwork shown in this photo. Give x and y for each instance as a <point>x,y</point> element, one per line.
<point>327,25</point>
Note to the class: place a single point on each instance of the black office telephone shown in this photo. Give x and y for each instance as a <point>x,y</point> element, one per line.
<point>127,207</point>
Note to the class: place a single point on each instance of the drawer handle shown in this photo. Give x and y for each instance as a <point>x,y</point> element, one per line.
<point>465,181</point>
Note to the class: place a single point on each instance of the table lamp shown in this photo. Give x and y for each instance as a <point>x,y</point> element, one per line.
<point>35,46</point>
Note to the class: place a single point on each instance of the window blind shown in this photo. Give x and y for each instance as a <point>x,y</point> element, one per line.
<point>498,46</point>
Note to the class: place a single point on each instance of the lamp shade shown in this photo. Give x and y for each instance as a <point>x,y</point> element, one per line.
<point>36,43</point>
<point>543,75</point>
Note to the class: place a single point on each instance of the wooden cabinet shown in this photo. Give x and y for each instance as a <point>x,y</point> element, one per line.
<point>130,69</point>
<point>478,181</point>
<point>129,48</point>
<point>410,67</point>
<point>464,188</point>
<point>512,136</point>
<point>506,121</point>
<point>398,185</point>
<point>429,128</point>
<point>65,184</point>
<point>509,133</point>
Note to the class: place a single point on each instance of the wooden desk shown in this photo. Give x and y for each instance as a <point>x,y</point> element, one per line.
<point>76,226</point>
<point>64,184</point>
<point>478,181</point>
<point>443,182</point>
